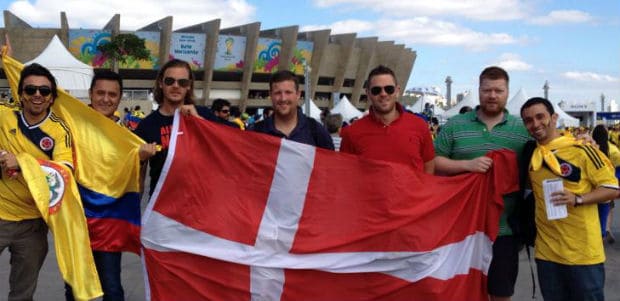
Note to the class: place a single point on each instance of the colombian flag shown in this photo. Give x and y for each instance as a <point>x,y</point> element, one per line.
<point>107,170</point>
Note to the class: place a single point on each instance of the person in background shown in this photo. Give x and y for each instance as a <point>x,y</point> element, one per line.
<point>333,123</point>
<point>605,213</point>
<point>465,109</point>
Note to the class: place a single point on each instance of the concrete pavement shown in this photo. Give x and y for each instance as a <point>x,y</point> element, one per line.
<point>51,286</point>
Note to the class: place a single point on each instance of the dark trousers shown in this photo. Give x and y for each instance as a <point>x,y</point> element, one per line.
<point>560,282</point>
<point>27,243</point>
<point>109,269</point>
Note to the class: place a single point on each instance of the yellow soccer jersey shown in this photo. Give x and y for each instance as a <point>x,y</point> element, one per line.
<point>576,239</point>
<point>48,140</point>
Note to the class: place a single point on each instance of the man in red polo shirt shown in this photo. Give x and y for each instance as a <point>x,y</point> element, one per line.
<point>388,132</point>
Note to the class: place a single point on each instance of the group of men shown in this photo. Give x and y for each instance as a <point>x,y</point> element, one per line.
<point>569,252</point>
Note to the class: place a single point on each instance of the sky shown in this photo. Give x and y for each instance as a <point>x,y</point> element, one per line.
<point>572,44</point>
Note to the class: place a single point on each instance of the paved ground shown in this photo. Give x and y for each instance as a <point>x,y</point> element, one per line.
<point>51,286</point>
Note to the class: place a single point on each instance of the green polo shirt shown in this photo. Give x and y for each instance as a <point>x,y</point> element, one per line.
<point>465,137</point>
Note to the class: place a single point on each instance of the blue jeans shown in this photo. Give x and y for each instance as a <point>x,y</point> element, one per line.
<point>109,269</point>
<point>571,282</point>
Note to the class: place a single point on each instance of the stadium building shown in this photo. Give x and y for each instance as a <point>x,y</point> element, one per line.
<point>232,63</point>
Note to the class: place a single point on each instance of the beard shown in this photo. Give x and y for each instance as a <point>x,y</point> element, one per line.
<point>492,110</point>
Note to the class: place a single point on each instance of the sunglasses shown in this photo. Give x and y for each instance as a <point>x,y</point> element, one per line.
<point>43,90</point>
<point>225,111</point>
<point>377,90</point>
<point>183,82</point>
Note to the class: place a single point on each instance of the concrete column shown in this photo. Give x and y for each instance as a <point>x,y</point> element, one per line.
<point>252,33</point>
<point>346,42</point>
<point>289,41</point>
<point>320,39</point>
<point>368,47</point>
<point>212,30</point>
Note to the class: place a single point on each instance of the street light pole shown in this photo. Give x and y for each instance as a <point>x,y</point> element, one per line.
<point>307,70</point>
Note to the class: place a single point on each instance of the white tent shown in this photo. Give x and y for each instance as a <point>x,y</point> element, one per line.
<point>315,112</point>
<point>70,73</point>
<point>515,103</point>
<point>564,119</point>
<point>467,101</point>
<point>346,109</point>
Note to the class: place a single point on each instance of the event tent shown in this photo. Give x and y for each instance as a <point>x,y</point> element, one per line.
<point>515,103</point>
<point>467,101</point>
<point>346,109</point>
<point>70,73</point>
<point>315,111</point>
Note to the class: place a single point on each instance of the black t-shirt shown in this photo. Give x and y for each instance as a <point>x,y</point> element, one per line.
<point>157,128</point>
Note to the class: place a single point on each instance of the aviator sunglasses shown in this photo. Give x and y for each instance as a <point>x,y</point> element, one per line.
<point>377,90</point>
<point>183,82</point>
<point>43,90</point>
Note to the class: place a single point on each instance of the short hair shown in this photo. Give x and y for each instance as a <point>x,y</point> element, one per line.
<point>333,122</point>
<point>538,100</point>
<point>35,69</point>
<point>380,70</point>
<point>465,109</point>
<point>494,73</point>
<point>106,74</point>
<point>281,76</point>
<point>158,93</point>
<point>219,103</point>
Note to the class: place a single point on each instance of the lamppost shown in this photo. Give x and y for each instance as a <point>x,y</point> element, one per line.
<point>307,70</point>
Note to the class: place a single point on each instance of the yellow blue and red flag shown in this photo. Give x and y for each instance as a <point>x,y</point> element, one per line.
<point>107,169</point>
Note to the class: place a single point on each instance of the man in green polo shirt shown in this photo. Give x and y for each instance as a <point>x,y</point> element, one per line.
<point>461,146</point>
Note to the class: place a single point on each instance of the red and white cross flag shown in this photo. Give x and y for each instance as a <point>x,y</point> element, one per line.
<point>245,216</point>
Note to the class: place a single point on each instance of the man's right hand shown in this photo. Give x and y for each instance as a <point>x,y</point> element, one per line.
<point>480,164</point>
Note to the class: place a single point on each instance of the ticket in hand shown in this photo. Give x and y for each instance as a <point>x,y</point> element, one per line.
<point>553,211</point>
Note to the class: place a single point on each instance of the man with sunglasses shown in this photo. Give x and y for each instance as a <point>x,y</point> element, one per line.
<point>174,89</point>
<point>288,121</point>
<point>461,147</point>
<point>37,131</point>
<point>221,109</point>
<point>388,132</point>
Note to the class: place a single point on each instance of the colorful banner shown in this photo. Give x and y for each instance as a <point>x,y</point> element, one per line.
<point>151,42</point>
<point>230,53</point>
<point>83,45</point>
<point>267,55</point>
<point>189,47</point>
<point>301,54</point>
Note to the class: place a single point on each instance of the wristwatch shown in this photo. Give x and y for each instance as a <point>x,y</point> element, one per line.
<point>578,200</point>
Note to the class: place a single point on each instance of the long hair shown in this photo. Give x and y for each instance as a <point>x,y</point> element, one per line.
<point>600,135</point>
<point>158,92</point>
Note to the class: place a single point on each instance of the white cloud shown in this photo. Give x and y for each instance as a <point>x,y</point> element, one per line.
<point>513,62</point>
<point>421,30</point>
<point>345,26</point>
<point>590,77</point>
<point>472,9</point>
<point>134,14</point>
<point>561,17</point>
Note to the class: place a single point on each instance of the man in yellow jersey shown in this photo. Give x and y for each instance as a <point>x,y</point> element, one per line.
<point>36,130</point>
<point>569,250</point>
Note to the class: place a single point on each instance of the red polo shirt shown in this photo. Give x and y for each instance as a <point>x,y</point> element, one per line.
<point>406,140</point>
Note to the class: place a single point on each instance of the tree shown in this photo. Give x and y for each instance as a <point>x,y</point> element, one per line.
<point>124,47</point>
